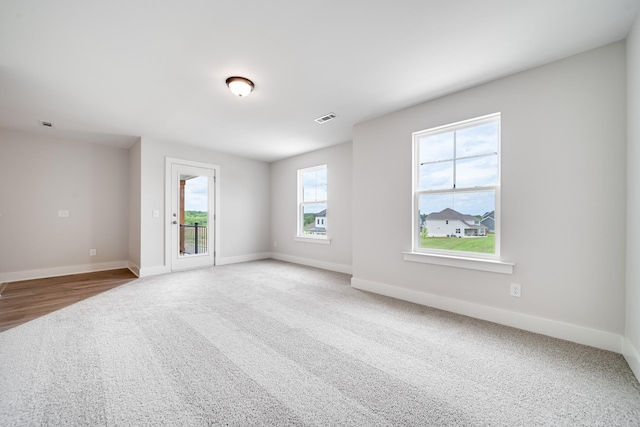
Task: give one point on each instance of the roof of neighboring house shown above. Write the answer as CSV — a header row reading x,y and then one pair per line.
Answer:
x,y
322,213
491,215
450,214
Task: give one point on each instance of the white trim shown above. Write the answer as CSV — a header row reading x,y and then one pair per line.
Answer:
x,y
134,268
175,160
301,202
169,162
416,192
319,240
574,333
632,357
61,271
154,271
339,268
462,124
242,258
490,265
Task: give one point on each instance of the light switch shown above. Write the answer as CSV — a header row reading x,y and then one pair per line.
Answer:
x,y
63,214
155,214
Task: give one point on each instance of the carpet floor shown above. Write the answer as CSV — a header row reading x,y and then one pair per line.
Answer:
x,y
277,344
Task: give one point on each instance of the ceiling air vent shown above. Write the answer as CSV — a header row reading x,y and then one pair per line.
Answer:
x,y
46,124
326,118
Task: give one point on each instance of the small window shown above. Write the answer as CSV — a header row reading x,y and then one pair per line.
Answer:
x,y
312,202
456,188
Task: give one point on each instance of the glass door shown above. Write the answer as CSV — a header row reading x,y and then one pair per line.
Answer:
x,y
192,216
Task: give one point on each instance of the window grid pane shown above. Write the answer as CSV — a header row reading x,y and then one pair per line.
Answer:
x,y
436,176
463,160
312,208
477,140
477,172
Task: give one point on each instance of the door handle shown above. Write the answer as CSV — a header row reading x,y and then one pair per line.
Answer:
x,y
174,222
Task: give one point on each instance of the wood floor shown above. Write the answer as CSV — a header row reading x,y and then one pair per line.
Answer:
x,y
30,299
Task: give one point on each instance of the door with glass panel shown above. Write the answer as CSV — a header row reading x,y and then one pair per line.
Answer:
x,y
192,216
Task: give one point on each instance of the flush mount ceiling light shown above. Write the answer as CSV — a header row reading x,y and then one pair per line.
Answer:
x,y
240,86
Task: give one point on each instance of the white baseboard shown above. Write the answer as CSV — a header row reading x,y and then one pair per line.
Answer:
x,y
340,268
163,269
134,268
632,357
578,334
153,271
242,258
61,271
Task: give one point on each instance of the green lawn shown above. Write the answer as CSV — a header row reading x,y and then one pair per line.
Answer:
x,y
478,244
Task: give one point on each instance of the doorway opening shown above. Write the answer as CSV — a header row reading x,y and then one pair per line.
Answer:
x,y
191,206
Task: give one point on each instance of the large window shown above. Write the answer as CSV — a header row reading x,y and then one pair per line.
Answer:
x,y
457,188
312,202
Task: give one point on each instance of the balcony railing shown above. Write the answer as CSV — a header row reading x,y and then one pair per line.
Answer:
x,y
193,239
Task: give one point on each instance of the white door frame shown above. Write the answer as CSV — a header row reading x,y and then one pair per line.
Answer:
x,y
169,162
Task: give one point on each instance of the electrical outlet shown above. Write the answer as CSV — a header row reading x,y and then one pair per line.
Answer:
x,y
92,252
516,290
275,244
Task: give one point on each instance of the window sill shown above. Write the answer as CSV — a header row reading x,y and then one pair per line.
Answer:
x,y
317,240
490,265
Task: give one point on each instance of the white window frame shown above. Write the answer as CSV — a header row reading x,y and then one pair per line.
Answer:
x,y
472,260
300,236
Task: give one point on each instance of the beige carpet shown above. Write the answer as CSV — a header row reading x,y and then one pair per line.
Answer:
x,y
272,343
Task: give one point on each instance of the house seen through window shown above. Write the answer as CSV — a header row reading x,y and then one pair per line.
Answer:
x,y
312,202
456,188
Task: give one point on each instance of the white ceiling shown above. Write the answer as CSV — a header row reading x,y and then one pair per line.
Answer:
x,y
111,71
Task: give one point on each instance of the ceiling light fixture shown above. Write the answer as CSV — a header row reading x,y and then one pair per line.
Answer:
x,y
240,86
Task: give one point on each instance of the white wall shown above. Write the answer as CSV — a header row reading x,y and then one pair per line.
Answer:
x,y
632,331
244,204
563,182
135,197
40,176
337,255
